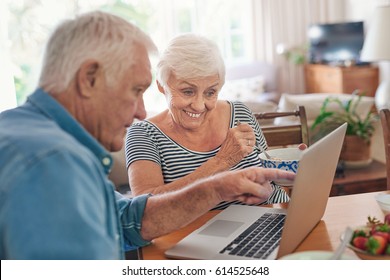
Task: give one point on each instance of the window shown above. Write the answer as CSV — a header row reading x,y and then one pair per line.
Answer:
x,y
228,22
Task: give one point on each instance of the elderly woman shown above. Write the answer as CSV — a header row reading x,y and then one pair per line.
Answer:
x,y
198,135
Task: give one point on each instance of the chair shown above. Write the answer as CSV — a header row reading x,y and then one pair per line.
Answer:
x,y
135,254
385,120
291,133
285,134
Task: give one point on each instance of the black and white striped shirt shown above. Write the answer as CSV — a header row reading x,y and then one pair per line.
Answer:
x,y
145,141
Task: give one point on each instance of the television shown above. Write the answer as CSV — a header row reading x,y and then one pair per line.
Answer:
x,y
336,43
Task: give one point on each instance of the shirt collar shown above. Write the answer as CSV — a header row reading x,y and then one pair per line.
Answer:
x,y
55,111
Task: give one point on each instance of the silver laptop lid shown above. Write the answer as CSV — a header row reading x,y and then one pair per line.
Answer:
x,y
311,189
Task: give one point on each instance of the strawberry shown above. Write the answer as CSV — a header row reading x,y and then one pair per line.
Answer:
x,y
387,219
380,227
360,242
385,235
382,230
376,244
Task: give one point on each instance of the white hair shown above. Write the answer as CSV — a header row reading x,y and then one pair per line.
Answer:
x,y
190,56
96,35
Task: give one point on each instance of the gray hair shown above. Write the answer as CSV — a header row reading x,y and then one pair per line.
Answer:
x,y
96,35
190,56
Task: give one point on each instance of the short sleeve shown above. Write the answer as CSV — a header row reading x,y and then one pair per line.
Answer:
x,y
140,144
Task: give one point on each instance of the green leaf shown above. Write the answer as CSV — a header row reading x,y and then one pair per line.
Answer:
x,y
321,118
328,119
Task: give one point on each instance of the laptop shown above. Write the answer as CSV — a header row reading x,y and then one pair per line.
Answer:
x,y
223,236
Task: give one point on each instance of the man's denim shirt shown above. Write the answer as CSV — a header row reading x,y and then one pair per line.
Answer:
x,y
56,201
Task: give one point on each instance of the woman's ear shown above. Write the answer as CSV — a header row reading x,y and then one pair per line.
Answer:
x,y
87,77
160,87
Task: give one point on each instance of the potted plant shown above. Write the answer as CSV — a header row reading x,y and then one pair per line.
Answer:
x,y
357,144
296,54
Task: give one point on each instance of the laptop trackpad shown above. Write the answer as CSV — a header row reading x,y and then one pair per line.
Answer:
x,y
221,228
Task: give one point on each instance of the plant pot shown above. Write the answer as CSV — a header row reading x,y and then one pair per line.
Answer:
x,y
355,152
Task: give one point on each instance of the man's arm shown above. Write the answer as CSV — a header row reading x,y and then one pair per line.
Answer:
x,y
170,211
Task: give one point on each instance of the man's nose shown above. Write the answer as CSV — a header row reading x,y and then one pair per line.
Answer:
x,y
141,111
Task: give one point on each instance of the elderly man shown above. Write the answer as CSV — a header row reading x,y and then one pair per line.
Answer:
x,y
56,200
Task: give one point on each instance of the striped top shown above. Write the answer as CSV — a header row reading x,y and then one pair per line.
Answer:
x,y
145,141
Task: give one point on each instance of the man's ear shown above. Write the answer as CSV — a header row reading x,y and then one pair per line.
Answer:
x,y
87,77
160,87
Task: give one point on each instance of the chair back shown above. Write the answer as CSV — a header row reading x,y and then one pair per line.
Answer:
x,y
385,120
285,135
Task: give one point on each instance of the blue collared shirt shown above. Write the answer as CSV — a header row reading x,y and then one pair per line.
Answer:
x,y
56,201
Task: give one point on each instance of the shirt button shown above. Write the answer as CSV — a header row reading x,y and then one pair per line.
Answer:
x,y
106,161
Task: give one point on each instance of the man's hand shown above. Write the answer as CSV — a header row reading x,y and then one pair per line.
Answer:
x,y
250,185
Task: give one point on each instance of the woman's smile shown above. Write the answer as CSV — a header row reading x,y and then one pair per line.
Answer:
x,y
193,115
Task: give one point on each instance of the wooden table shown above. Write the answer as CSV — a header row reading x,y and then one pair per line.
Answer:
x,y
341,211
372,178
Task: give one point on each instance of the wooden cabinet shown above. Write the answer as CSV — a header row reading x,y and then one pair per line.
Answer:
x,y
371,178
321,78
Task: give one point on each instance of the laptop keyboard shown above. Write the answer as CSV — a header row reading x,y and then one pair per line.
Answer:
x,y
260,239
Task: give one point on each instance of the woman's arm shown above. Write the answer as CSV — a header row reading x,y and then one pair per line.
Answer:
x,y
146,176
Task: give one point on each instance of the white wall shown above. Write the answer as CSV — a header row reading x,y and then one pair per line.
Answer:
x,y
357,10
364,10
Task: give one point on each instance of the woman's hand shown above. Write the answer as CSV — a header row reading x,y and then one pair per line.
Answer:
x,y
239,143
302,146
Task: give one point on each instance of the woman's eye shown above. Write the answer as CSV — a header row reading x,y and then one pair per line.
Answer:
x,y
211,93
188,92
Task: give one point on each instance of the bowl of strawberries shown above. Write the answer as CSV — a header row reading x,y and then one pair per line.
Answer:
x,y
372,241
